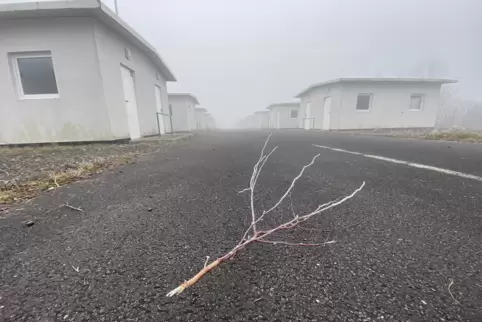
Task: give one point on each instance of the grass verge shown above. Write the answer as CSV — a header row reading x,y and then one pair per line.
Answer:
x,y
12,192
455,136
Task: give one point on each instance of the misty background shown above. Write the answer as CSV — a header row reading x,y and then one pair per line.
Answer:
x,y
239,56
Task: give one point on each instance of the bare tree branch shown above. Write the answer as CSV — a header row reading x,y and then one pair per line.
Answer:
x,y
252,234
292,185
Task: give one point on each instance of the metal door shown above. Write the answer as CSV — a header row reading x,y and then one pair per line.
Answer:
x,y
130,102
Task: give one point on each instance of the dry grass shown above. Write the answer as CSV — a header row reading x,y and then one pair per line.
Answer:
x,y
455,136
12,191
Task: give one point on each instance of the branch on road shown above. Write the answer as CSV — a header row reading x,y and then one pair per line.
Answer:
x,y
253,234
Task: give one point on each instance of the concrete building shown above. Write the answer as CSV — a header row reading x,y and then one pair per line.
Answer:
x,y
261,119
74,71
251,121
369,103
210,122
181,107
202,118
284,115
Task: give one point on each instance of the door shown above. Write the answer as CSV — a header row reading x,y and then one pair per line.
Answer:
x,y
130,102
160,118
308,120
326,113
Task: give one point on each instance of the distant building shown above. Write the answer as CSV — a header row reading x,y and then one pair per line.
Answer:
x,y
74,71
210,122
284,115
201,118
261,119
182,109
369,103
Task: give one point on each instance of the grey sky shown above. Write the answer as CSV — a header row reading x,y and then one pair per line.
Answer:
x,y
238,56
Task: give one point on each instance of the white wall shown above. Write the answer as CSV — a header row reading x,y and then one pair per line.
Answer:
x,y
389,108
201,120
78,114
191,113
111,51
262,120
87,57
285,121
317,97
180,113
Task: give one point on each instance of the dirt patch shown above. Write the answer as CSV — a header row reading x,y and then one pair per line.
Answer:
x,y
25,172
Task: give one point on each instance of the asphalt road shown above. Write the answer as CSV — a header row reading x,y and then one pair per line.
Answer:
x,y
408,246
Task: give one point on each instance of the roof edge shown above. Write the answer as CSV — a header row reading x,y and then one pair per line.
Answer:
x,y
191,96
269,107
378,79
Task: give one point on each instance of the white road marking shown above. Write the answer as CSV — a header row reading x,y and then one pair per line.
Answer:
x,y
411,164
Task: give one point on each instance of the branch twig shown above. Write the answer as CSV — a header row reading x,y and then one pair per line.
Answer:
x,y
294,244
206,261
73,208
252,234
450,292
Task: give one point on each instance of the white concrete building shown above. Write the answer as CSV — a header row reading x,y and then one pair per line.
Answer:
x,y
182,108
201,118
284,115
261,119
210,122
369,103
74,71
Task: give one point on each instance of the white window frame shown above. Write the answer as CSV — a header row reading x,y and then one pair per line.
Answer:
x,y
369,103
18,79
422,99
296,114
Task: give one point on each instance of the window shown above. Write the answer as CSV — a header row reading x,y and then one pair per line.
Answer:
x,y
416,102
363,102
35,76
293,114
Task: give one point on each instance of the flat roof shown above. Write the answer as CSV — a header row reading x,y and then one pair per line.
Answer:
x,y
85,8
201,109
261,112
188,95
378,79
271,106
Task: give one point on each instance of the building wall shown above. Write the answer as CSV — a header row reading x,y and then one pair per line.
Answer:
x,y
111,49
262,120
78,114
389,106
285,122
191,113
180,113
317,98
201,120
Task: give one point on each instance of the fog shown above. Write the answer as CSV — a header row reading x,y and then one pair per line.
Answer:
x,y
238,56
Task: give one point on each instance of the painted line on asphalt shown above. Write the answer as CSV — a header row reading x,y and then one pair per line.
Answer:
x,y
411,164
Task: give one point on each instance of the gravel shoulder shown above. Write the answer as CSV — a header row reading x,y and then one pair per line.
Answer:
x,y
408,247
